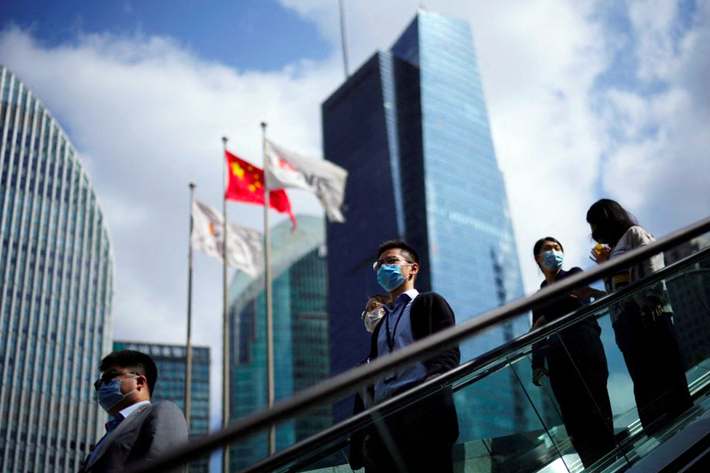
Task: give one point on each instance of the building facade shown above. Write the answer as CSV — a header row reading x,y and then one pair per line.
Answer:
x,y
411,128
56,291
689,292
300,335
171,360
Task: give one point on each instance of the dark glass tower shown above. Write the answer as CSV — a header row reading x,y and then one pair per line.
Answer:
x,y
300,335
411,128
170,361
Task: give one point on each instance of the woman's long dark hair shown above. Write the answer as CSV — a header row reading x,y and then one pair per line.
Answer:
x,y
611,221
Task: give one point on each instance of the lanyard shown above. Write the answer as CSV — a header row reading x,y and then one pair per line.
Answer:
x,y
390,336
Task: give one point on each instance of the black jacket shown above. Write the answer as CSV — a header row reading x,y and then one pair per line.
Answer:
x,y
579,338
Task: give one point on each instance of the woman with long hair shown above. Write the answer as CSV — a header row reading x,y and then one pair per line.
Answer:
x,y
574,361
643,321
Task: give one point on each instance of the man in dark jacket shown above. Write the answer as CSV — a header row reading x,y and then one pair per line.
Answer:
x,y
420,438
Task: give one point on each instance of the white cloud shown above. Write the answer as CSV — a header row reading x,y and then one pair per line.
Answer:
x,y
537,70
147,117
657,163
653,21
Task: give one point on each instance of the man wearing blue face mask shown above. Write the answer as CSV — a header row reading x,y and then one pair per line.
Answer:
x,y
421,437
574,360
138,431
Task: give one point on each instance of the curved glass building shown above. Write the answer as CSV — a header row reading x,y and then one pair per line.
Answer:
x,y
56,290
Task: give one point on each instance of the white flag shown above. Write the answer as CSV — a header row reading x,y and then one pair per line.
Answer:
x,y
326,180
244,246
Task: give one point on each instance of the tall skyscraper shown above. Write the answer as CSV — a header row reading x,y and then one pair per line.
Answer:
x,y
300,335
171,360
411,128
56,291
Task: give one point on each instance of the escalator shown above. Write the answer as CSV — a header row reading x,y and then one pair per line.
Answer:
x,y
537,441
546,447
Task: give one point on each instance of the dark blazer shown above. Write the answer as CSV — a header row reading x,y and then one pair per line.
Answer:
x,y
430,313
149,432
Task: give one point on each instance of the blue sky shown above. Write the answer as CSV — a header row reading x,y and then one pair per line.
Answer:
x,y
246,34
586,99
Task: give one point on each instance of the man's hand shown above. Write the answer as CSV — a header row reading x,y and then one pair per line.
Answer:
x,y
652,308
538,373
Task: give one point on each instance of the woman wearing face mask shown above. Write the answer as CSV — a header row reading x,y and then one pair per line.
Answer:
x,y
576,363
374,311
643,321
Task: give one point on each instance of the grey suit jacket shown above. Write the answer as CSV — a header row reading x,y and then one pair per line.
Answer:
x,y
146,434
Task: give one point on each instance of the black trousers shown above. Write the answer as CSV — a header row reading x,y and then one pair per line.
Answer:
x,y
417,440
416,450
654,362
578,374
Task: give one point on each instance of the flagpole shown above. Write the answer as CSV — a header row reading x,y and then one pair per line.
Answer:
x,y
225,320
343,37
269,302
188,344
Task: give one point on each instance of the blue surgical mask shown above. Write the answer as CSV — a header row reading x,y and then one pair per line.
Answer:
x,y
389,276
552,260
110,393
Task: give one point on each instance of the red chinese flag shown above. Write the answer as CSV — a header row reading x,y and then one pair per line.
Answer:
x,y
246,184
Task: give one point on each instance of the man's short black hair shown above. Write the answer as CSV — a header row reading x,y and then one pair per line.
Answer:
x,y
408,253
133,360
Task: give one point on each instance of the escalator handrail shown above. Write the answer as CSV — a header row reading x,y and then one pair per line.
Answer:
x,y
485,364
361,376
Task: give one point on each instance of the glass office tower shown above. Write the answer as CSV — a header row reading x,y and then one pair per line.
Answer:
x,y
56,291
411,128
170,360
300,335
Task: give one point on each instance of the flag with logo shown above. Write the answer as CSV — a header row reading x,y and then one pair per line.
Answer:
x,y
246,184
285,169
244,246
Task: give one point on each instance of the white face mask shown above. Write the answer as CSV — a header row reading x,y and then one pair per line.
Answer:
x,y
371,318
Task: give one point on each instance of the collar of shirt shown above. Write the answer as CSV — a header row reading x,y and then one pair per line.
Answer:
x,y
404,297
132,408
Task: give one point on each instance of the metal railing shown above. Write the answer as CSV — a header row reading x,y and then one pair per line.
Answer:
x,y
486,364
361,376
